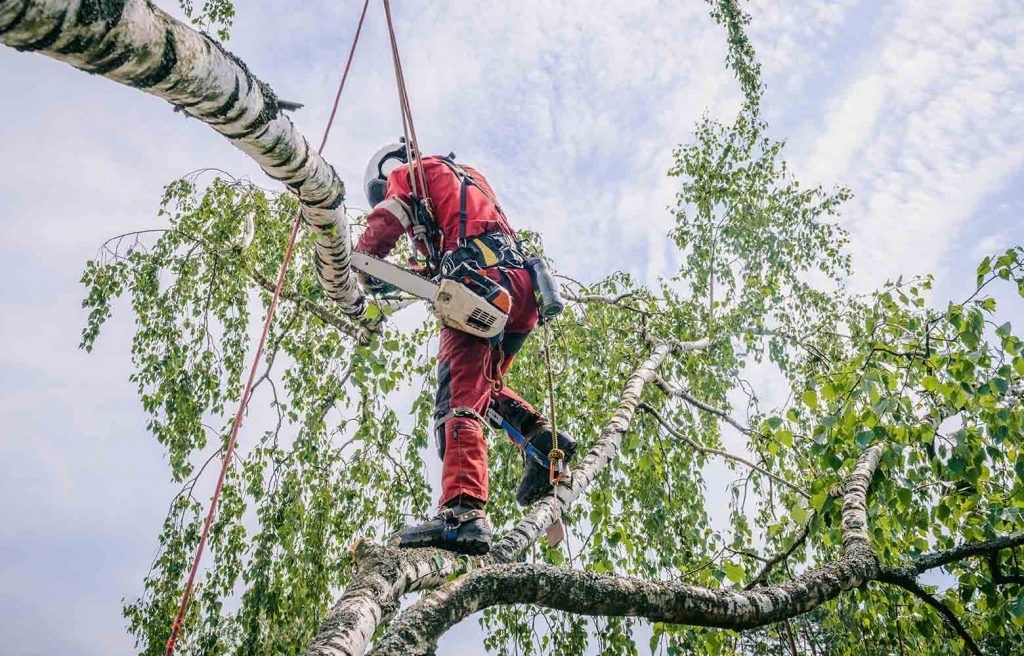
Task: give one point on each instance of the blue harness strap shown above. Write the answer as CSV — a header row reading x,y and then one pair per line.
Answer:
x,y
518,438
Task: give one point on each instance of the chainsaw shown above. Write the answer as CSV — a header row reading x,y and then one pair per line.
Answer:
x,y
465,299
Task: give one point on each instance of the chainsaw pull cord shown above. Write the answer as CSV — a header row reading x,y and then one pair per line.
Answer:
x,y
229,449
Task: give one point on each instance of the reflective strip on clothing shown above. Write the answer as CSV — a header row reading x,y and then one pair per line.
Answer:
x,y
398,209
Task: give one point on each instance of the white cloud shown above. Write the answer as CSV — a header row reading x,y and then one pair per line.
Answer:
x,y
925,134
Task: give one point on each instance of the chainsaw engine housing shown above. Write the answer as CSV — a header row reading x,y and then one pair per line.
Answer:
x,y
473,303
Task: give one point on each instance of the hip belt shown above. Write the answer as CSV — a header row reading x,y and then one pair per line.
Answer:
x,y
485,251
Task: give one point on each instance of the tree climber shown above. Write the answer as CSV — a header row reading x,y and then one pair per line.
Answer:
x,y
459,206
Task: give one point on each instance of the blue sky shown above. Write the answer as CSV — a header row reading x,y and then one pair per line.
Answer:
x,y
571,108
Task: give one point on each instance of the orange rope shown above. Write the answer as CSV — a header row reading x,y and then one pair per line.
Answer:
x,y
232,440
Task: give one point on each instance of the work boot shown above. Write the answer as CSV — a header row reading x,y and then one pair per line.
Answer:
x,y
536,477
459,528
537,431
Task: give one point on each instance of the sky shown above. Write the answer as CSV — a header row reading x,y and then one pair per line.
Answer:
x,y
570,108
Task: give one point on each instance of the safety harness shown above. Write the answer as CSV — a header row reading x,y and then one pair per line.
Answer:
x,y
496,248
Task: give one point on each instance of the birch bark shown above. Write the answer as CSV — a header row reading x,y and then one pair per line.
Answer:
x,y
137,44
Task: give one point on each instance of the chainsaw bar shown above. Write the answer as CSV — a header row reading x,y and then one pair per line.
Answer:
x,y
407,281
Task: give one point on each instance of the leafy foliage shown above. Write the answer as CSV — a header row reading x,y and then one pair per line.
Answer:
x,y
336,443
330,453
217,14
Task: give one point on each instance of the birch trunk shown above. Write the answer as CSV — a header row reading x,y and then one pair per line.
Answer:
x,y
134,43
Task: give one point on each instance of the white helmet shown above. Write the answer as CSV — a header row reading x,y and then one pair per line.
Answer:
x,y
383,162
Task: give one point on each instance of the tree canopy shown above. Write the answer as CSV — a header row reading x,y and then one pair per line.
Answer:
x,y
921,403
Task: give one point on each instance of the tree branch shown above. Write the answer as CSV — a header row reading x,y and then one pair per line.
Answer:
x,y
669,390
935,559
341,324
597,298
950,618
136,44
997,573
416,631
384,575
782,556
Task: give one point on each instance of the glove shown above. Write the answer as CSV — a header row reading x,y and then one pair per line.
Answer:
x,y
375,286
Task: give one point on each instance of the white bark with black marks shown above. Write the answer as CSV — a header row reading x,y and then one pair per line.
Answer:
x,y
587,593
134,43
382,575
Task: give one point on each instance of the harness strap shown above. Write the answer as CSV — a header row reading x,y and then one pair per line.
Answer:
x,y
462,210
517,437
451,518
461,411
452,522
465,180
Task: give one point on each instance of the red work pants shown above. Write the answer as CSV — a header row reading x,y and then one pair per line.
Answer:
x,y
466,369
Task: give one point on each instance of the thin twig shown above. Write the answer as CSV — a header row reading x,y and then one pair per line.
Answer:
x,y
718,452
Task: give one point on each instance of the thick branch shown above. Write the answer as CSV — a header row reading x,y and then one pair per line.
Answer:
x,y
935,559
134,43
376,588
417,630
719,452
950,618
587,593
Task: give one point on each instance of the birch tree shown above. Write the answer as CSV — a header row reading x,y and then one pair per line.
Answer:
x,y
886,445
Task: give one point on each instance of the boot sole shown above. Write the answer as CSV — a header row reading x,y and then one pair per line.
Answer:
x,y
474,548
466,549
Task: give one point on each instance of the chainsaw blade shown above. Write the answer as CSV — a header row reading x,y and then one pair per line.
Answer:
x,y
405,280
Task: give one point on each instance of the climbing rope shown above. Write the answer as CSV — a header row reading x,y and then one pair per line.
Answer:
x,y
412,145
556,457
244,401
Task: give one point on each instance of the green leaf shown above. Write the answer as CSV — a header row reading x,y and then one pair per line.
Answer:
x,y
734,571
799,514
983,269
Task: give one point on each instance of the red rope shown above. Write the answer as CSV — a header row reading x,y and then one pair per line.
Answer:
x,y
416,161
232,440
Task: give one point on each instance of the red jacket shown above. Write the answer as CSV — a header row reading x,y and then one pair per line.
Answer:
x,y
393,216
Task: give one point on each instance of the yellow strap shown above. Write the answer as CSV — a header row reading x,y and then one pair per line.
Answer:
x,y
490,257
